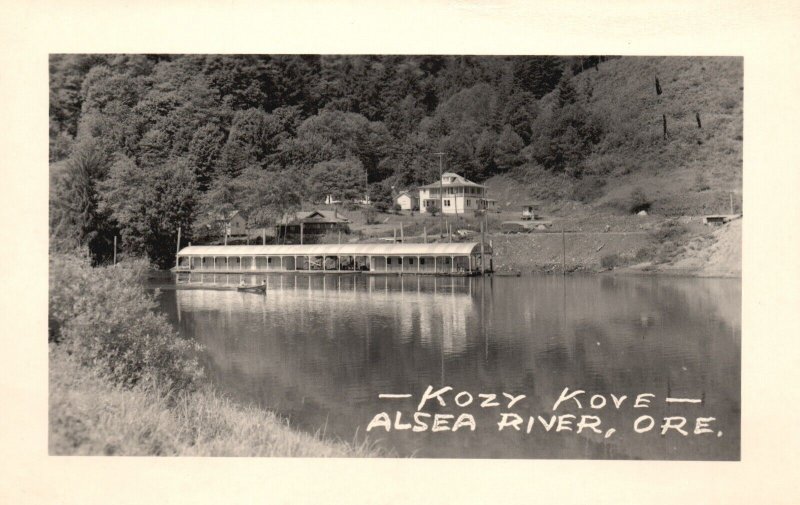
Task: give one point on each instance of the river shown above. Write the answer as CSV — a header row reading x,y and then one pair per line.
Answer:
x,y
319,349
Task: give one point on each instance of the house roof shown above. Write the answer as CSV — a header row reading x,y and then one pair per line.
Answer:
x,y
438,249
317,216
227,216
457,181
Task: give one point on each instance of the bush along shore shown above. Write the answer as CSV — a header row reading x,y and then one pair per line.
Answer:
x,y
122,381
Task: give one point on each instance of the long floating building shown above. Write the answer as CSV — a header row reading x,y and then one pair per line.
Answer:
x,y
461,258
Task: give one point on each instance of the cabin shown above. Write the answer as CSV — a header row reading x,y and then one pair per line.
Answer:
x,y
455,195
233,223
407,201
529,211
312,223
719,219
460,258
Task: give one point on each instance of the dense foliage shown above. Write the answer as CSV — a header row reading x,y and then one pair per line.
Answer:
x,y
153,142
105,319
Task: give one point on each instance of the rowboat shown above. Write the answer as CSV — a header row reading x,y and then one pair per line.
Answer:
x,y
259,288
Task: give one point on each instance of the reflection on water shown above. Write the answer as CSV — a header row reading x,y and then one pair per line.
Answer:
x,y
319,349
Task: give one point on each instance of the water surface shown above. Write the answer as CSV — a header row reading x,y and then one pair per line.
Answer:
x,y
318,349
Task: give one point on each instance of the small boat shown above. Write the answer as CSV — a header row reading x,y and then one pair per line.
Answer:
x,y
259,288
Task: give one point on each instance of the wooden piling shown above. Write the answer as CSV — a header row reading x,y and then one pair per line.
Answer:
x,y
483,260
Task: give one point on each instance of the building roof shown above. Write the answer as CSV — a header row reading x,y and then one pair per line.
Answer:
x,y
407,193
438,249
458,181
227,215
317,216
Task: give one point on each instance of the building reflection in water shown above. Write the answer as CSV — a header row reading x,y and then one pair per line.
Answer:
x,y
319,348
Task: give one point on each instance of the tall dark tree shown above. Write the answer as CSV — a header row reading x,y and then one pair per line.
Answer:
x,y
76,219
538,75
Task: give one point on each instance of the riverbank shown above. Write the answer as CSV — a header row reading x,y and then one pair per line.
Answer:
x,y
123,382
90,416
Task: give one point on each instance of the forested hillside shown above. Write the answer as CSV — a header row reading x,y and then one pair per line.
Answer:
x,y
140,145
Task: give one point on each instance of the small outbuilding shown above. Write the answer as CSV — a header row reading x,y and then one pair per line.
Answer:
x,y
406,201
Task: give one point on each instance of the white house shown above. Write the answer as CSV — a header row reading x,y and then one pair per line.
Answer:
x,y
458,195
406,200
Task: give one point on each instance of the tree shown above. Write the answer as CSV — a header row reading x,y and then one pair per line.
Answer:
x,y
268,196
204,151
333,135
254,137
538,75
342,179
149,204
566,91
507,148
76,220
381,196
222,198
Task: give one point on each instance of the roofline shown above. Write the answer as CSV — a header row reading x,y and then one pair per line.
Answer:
x,y
414,249
457,184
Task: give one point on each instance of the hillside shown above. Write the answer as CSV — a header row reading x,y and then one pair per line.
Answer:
x,y
692,171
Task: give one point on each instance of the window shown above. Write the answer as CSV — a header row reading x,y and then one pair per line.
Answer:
x,y
410,261
422,261
388,261
447,203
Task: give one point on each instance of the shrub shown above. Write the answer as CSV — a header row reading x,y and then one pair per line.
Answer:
x,y
645,254
700,183
638,201
588,189
669,231
609,261
105,319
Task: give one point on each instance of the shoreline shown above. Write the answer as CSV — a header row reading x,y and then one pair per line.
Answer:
x,y
90,416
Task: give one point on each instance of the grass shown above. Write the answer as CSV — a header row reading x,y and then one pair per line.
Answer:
x,y
91,416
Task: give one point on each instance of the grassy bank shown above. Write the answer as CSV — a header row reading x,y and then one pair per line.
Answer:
x,y
123,382
91,416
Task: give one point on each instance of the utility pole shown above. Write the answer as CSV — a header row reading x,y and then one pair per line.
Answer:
x,y
115,249
441,189
178,249
366,186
